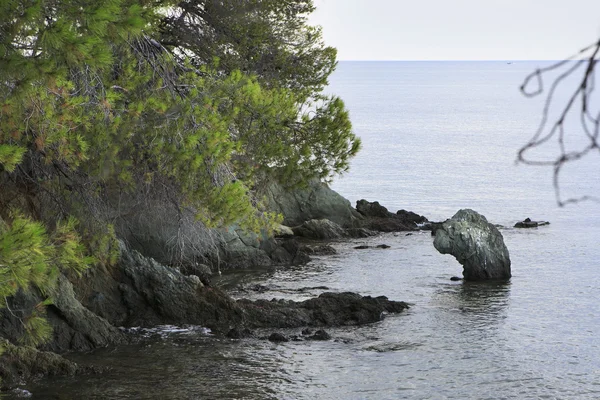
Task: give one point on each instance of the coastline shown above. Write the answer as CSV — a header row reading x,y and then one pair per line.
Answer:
x,y
95,311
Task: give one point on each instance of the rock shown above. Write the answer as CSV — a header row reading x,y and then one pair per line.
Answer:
x,y
283,231
74,327
320,229
378,218
315,201
329,309
320,335
239,333
293,248
361,247
19,364
360,233
383,246
372,209
307,331
278,337
528,223
242,250
456,278
411,216
476,244
202,271
322,250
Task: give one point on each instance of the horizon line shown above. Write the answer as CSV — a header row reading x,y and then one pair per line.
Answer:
x,y
459,60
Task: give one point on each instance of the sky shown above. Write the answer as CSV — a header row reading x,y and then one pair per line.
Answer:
x,y
458,29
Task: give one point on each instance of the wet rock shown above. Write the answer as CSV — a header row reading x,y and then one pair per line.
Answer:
x,y
239,333
19,364
456,278
307,331
329,309
361,247
528,223
139,291
372,209
202,271
383,246
322,250
360,233
476,244
321,229
320,335
411,216
278,337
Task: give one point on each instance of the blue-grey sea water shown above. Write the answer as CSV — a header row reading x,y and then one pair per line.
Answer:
x,y
437,137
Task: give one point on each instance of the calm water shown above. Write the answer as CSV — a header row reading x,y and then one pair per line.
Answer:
x,y
437,137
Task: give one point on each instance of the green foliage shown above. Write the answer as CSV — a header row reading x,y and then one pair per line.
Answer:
x,y
30,256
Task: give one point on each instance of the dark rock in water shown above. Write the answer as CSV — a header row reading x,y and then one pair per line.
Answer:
x,y
278,337
379,246
19,364
378,218
528,223
322,250
456,278
372,209
411,216
321,229
239,333
476,244
329,309
307,331
320,335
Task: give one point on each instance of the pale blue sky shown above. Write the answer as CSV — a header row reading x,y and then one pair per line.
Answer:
x,y
458,29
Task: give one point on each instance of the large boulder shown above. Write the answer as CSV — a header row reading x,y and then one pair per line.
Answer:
x,y
320,229
315,201
476,244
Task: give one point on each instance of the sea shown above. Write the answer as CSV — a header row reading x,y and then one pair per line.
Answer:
x,y
436,137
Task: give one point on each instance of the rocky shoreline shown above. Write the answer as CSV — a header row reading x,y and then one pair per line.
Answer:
x,y
105,306
139,291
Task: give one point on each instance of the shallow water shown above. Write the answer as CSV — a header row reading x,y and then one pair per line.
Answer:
x,y
437,137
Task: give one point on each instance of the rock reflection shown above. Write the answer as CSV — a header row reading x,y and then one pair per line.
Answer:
x,y
475,305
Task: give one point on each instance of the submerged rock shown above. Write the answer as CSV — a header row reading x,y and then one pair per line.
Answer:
x,y
320,335
278,337
528,223
476,244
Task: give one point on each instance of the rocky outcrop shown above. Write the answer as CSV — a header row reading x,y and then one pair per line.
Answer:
x,y
528,223
378,218
320,229
476,244
316,201
329,309
19,364
142,292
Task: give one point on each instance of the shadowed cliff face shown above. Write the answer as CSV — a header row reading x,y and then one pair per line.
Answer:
x,y
476,244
